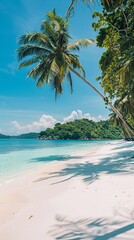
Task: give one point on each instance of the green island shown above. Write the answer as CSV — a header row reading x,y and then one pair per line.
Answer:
x,y
82,129
31,135
4,136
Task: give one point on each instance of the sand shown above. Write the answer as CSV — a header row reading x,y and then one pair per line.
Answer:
x,y
89,197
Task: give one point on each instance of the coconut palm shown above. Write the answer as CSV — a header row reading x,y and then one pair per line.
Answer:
x,y
114,118
53,56
125,107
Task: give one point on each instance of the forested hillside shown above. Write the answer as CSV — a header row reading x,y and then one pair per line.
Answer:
x,y
25,136
83,129
3,136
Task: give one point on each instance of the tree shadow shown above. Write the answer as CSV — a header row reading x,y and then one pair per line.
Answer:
x,y
118,163
55,158
93,229
125,145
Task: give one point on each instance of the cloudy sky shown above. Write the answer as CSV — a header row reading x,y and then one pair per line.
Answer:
x,y
23,107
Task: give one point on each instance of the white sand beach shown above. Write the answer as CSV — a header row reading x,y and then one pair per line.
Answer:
x,y
89,197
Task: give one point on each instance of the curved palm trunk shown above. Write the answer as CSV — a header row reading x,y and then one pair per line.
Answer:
x,y
128,129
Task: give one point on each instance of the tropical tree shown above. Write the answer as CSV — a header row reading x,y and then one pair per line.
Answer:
x,y
125,107
116,120
116,22
55,58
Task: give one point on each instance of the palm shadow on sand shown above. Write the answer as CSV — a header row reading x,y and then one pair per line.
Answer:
x,y
55,158
91,229
118,163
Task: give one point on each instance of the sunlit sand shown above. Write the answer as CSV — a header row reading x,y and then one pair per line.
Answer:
x,y
89,197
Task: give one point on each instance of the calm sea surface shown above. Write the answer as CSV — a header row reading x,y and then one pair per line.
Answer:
x,y
19,155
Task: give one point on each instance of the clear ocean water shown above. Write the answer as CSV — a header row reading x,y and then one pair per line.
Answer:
x,y
19,155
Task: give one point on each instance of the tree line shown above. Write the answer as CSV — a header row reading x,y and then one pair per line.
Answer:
x,y
82,129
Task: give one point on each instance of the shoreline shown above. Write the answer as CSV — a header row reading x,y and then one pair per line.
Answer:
x,y
49,164
33,167
90,196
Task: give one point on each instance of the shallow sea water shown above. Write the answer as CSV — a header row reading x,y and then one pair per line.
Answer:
x,y
18,155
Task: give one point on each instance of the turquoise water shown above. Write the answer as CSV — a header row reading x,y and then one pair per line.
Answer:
x,y
18,155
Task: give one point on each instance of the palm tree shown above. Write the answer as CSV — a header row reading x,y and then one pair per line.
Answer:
x,y
125,107
115,119
54,55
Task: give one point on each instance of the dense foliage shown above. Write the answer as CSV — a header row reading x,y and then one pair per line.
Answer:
x,y
116,34
31,135
83,129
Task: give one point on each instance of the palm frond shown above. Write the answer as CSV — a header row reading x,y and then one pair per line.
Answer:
x,y
83,42
41,80
52,71
29,62
69,77
75,63
35,38
37,71
71,7
27,50
49,32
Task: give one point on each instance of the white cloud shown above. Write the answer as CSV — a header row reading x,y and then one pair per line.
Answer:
x,y
78,114
100,118
48,121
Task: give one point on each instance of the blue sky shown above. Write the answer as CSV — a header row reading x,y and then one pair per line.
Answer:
x,y
23,107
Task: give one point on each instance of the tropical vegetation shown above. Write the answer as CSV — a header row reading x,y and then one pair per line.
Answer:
x,y
83,129
54,56
31,135
116,34
51,50
115,26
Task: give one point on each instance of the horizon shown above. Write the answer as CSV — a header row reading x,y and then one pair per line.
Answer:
x,y
75,115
